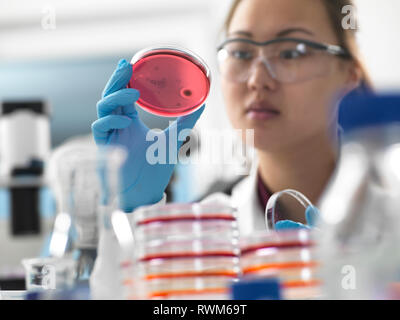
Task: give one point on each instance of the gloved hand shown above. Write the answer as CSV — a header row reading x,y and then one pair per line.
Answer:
x,y
142,183
312,214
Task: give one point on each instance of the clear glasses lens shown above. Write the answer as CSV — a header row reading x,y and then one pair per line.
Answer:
x,y
285,61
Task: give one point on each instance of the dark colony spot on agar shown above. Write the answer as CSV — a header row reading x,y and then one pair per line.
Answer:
x,y
187,92
159,83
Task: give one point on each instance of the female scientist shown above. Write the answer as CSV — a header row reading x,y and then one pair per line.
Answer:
x,y
285,65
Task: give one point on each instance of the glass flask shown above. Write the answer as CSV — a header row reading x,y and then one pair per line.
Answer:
x,y
360,219
115,223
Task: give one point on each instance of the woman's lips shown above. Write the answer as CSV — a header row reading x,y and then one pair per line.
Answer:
x,y
261,112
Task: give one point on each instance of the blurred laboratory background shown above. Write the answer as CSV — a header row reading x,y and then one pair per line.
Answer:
x,y
63,52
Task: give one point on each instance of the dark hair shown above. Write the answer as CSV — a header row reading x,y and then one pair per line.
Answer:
x,y
346,37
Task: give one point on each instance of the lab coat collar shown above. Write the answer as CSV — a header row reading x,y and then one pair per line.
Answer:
x,y
245,199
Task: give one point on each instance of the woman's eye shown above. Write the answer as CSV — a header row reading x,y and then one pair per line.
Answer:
x,y
292,54
242,54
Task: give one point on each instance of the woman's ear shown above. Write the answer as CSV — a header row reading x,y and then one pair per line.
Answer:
x,y
354,75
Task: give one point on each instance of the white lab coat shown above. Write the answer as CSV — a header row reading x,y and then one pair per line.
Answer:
x,y
104,281
244,198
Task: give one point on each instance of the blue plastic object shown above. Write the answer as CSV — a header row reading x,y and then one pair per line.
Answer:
x,y
257,289
283,225
312,214
361,111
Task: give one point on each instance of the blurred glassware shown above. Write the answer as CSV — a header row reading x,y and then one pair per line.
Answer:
x,y
113,274
270,210
49,273
59,173
360,219
73,177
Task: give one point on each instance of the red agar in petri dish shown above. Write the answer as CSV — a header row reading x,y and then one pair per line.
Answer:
x,y
172,82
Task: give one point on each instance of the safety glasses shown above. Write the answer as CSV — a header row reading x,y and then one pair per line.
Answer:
x,y
287,60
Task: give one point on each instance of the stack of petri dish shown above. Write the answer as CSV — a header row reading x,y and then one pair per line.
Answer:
x,y
286,255
186,251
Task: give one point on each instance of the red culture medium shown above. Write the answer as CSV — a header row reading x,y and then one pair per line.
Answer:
x,y
171,82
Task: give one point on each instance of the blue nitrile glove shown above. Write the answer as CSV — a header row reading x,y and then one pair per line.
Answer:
x,y
142,183
312,214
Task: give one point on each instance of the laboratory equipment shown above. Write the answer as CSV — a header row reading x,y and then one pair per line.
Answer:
x,y
172,81
85,206
76,292
110,161
186,251
286,255
59,174
24,148
360,220
113,275
26,215
257,289
311,212
49,273
72,172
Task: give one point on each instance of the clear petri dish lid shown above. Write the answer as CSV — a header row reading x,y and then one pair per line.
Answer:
x,y
178,212
223,266
187,229
172,81
167,249
276,239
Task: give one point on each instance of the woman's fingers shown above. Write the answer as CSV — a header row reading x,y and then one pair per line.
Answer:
x,y
101,128
312,215
119,79
183,125
189,121
124,98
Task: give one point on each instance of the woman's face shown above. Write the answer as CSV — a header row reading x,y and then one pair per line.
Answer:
x,y
303,110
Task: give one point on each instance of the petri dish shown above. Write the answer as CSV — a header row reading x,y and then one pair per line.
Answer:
x,y
185,221
288,239
172,81
174,212
186,250
187,288
191,248
286,255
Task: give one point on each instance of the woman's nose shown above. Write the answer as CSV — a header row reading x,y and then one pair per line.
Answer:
x,y
262,76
